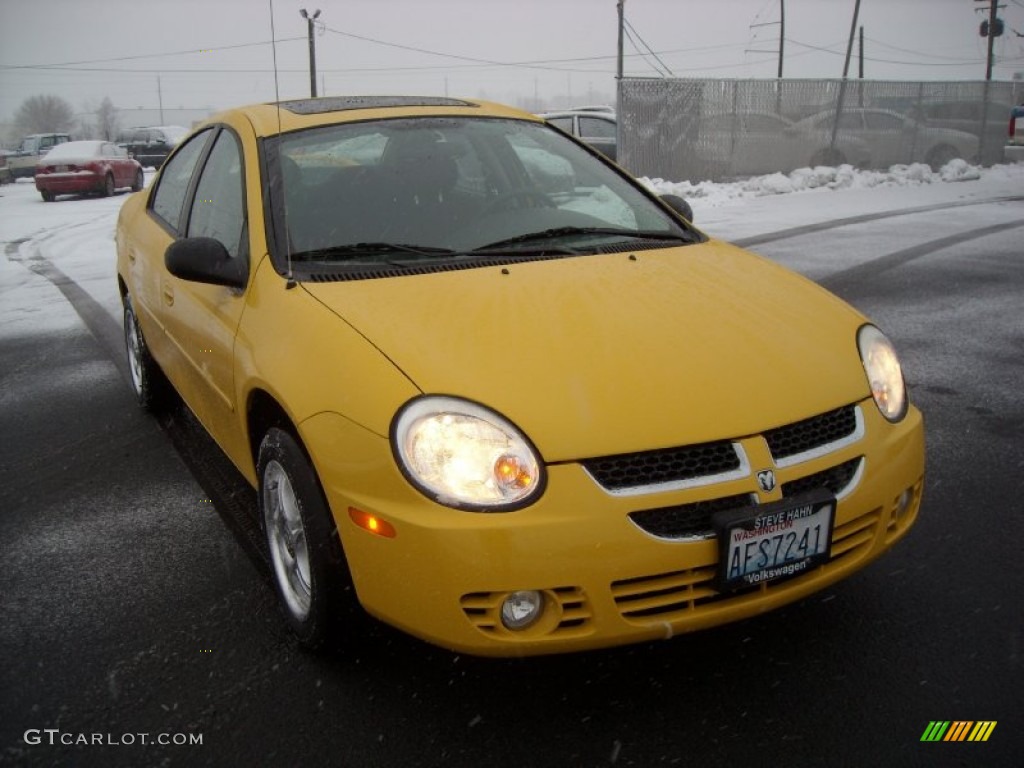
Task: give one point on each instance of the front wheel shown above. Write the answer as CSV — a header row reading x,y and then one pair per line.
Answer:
x,y
140,180
148,381
306,560
108,185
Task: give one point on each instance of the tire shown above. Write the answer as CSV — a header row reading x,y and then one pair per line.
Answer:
x,y
940,155
307,564
48,197
152,390
139,182
108,185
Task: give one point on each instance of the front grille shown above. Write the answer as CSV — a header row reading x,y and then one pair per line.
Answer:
x,y
834,479
668,465
693,521
686,521
812,433
663,597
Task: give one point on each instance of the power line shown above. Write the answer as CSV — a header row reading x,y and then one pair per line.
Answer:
x,y
59,65
887,61
636,47
631,28
908,50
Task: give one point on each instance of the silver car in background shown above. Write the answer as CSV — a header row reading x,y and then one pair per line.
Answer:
x,y
893,138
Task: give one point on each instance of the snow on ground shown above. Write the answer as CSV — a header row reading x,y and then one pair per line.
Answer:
x,y
77,234
805,196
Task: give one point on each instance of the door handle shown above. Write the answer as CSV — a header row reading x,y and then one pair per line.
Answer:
x,y
168,295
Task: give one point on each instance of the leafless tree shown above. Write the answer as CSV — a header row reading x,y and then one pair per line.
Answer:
x,y
107,120
44,114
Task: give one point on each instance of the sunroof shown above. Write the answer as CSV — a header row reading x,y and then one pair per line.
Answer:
x,y
339,103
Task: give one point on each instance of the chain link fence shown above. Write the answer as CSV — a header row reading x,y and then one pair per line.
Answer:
x,y
694,129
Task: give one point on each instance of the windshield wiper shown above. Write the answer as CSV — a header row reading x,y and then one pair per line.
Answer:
x,y
548,234
352,251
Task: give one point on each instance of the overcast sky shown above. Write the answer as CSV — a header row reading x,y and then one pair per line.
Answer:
x,y
211,54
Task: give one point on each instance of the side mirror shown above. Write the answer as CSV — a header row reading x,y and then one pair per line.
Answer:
x,y
680,206
205,260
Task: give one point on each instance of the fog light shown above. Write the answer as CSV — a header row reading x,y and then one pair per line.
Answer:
x,y
521,609
903,503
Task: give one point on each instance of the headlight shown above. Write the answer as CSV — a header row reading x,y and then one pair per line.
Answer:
x,y
885,377
463,455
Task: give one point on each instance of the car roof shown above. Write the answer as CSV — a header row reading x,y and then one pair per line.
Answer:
x,y
586,112
282,117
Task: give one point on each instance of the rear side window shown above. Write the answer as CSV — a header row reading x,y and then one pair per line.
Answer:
x,y
175,178
217,210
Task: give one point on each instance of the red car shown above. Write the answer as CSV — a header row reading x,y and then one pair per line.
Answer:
x,y
87,166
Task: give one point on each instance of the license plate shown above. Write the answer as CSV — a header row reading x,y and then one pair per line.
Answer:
x,y
768,542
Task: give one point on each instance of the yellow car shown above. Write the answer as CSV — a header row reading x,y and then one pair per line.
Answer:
x,y
520,404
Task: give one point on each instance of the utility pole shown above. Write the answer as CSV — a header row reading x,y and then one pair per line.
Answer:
x,y
312,49
853,31
782,32
621,5
991,29
860,68
160,99
846,71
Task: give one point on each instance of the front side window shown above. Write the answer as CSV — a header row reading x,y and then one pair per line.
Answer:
x,y
596,128
418,188
169,196
880,121
217,208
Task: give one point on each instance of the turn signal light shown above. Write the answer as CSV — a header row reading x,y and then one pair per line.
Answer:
x,y
375,525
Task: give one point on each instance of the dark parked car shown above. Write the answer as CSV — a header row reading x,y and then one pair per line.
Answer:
x,y
594,125
151,146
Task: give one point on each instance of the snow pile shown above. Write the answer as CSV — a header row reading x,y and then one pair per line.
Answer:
x,y
822,177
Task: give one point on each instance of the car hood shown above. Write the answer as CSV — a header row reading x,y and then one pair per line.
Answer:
x,y
607,354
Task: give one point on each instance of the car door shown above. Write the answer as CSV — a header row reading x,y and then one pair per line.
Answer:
x,y
599,133
202,319
162,223
890,142
113,161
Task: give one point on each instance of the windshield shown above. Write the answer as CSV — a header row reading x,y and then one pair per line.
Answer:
x,y
411,189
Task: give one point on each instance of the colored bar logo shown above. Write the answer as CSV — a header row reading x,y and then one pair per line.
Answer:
x,y
958,730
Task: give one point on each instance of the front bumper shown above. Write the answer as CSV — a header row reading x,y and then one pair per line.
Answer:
x,y
606,581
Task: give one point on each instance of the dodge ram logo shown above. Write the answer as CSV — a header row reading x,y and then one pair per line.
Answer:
x,y
766,479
